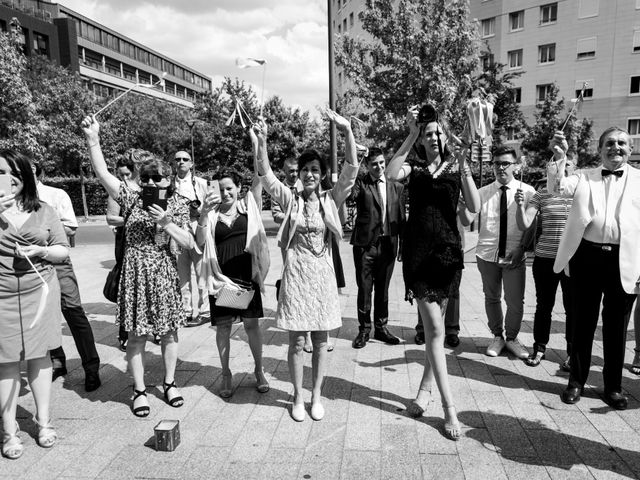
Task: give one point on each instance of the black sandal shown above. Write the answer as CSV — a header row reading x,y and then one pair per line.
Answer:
x,y
175,402
140,411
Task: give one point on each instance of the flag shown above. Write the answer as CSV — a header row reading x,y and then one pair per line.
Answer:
x,y
249,62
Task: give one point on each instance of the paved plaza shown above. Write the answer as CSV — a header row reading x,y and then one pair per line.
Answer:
x,y
514,424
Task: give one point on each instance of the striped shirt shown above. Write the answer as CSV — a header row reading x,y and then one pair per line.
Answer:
x,y
552,217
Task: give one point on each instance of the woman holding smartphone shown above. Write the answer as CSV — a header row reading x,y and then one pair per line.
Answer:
x,y
149,299
235,252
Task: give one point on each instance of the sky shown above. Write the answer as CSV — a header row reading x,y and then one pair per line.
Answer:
x,y
208,35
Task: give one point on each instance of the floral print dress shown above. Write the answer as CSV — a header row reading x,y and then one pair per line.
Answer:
x,y
149,298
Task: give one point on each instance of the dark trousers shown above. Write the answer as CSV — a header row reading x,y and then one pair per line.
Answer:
x,y
546,281
594,274
451,316
76,319
374,267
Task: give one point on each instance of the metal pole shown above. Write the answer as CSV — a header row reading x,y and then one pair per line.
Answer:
x,y
332,100
480,159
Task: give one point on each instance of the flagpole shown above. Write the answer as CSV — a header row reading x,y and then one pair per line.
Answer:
x,y
264,71
332,101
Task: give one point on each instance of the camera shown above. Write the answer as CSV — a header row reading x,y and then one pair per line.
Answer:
x,y
427,114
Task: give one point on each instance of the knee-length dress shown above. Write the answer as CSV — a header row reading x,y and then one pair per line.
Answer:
x,y
235,263
21,288
309,298
431,249
149,298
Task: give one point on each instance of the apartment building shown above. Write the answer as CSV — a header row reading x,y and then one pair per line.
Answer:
x,y
107,60
568,42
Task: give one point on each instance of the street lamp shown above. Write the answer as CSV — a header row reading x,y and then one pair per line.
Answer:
x,y
191,123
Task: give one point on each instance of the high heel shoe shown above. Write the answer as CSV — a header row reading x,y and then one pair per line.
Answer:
x,y
176,401
262,384
12,447
418,406
47,436
143,410
452,426
227,385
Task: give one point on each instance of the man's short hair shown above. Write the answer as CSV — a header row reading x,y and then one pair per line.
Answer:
x,y
505,150
374,152
609,131
182,154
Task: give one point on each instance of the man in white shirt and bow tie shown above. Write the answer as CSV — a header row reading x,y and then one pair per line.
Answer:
x,y
599,247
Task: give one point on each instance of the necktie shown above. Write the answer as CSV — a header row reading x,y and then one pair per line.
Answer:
x,y
617,173
383,206
502,239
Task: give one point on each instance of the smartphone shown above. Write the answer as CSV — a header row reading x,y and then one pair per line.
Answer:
x,y
154,195
5,184
214,186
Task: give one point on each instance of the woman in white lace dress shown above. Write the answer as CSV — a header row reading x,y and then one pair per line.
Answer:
x,y
308,298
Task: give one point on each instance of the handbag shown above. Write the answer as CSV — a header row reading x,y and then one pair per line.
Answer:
x,y
111,284
235,296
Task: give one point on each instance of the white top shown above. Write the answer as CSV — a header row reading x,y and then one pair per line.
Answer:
x,y
489,234
61,203
184,186
605,225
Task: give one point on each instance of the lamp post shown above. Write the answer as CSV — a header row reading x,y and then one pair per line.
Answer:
x,y
191,123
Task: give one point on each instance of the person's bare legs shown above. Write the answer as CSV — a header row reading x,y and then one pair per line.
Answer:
x,y
223,341
39,376
308,344
318,368
254,335
135,358
433,323
296,371
9,388
169,348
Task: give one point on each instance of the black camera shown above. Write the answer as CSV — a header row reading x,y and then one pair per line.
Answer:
x,y
427,114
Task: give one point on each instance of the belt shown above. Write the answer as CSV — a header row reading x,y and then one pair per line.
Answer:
x,y
605,247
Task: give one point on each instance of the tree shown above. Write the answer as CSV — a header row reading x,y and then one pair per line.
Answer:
x,y
550,117
421,50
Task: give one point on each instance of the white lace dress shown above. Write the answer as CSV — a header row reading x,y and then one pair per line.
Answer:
x,y
309,294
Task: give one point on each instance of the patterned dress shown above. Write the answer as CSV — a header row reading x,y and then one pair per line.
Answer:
x,y
432,249
309,298
149,298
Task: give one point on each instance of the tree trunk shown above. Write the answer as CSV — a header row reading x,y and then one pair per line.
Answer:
x,y
85,208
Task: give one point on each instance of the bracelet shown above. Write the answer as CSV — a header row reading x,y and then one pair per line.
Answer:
x,y
202,226
91,145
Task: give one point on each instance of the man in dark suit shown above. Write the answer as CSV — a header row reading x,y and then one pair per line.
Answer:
x,y
379,220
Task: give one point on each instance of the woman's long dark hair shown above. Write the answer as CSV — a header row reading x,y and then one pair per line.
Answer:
x,y
21,167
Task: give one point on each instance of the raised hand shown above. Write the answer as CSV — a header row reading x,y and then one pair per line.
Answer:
x,y
260,130
559,145
90,127
412,118
342,123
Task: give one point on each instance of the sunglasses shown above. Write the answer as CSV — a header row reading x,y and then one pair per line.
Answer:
x,y
182,159
503,164
157,178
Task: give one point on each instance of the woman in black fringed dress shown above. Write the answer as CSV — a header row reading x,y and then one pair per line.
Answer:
x,y
431,250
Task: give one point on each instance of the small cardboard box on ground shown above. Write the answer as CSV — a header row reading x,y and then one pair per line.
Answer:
x,y
167,434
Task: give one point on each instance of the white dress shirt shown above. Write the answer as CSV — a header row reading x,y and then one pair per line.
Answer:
x,y
605,225
60,202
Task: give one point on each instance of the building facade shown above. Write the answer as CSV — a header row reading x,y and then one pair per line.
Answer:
x,y
107,60
567,42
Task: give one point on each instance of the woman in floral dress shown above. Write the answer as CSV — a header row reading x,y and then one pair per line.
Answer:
x,y
149,299
308,298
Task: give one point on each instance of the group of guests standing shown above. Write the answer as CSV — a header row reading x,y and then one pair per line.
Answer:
x,y
221,235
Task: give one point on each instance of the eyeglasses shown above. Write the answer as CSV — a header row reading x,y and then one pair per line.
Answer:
x,y
503,164
157,178
182,159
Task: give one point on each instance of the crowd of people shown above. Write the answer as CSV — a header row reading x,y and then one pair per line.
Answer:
x,y
172,225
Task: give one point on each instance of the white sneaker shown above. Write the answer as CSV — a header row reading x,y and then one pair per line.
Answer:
x,y
495,347
515,347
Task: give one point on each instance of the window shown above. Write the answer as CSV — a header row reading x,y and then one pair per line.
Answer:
x,y
588,93
636,41
587,8
542,91
516,21
487,61
339,28
511,134
517,94
635,86
515,58
40,44
587,47
344,25
547,53
351,20
488,27
3,25
548,13
633,126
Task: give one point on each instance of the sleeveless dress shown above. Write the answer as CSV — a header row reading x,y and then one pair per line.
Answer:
x,y
309,298
432,249
149,298
21,289
235,263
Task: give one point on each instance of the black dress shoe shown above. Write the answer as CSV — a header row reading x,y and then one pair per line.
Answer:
x,y
616,400
419,338
193,321
452,340
58,372
383,335
361,340
571,395
91,381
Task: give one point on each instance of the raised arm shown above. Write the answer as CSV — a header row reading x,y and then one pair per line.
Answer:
x,y
342,188
110,182
256,184
525,214
397,168
279,191
557,182
467,184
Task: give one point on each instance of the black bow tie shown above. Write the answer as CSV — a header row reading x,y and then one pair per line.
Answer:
x,y
617,173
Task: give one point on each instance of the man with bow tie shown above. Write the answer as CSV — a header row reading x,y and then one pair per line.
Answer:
x,y
599,250
379,219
